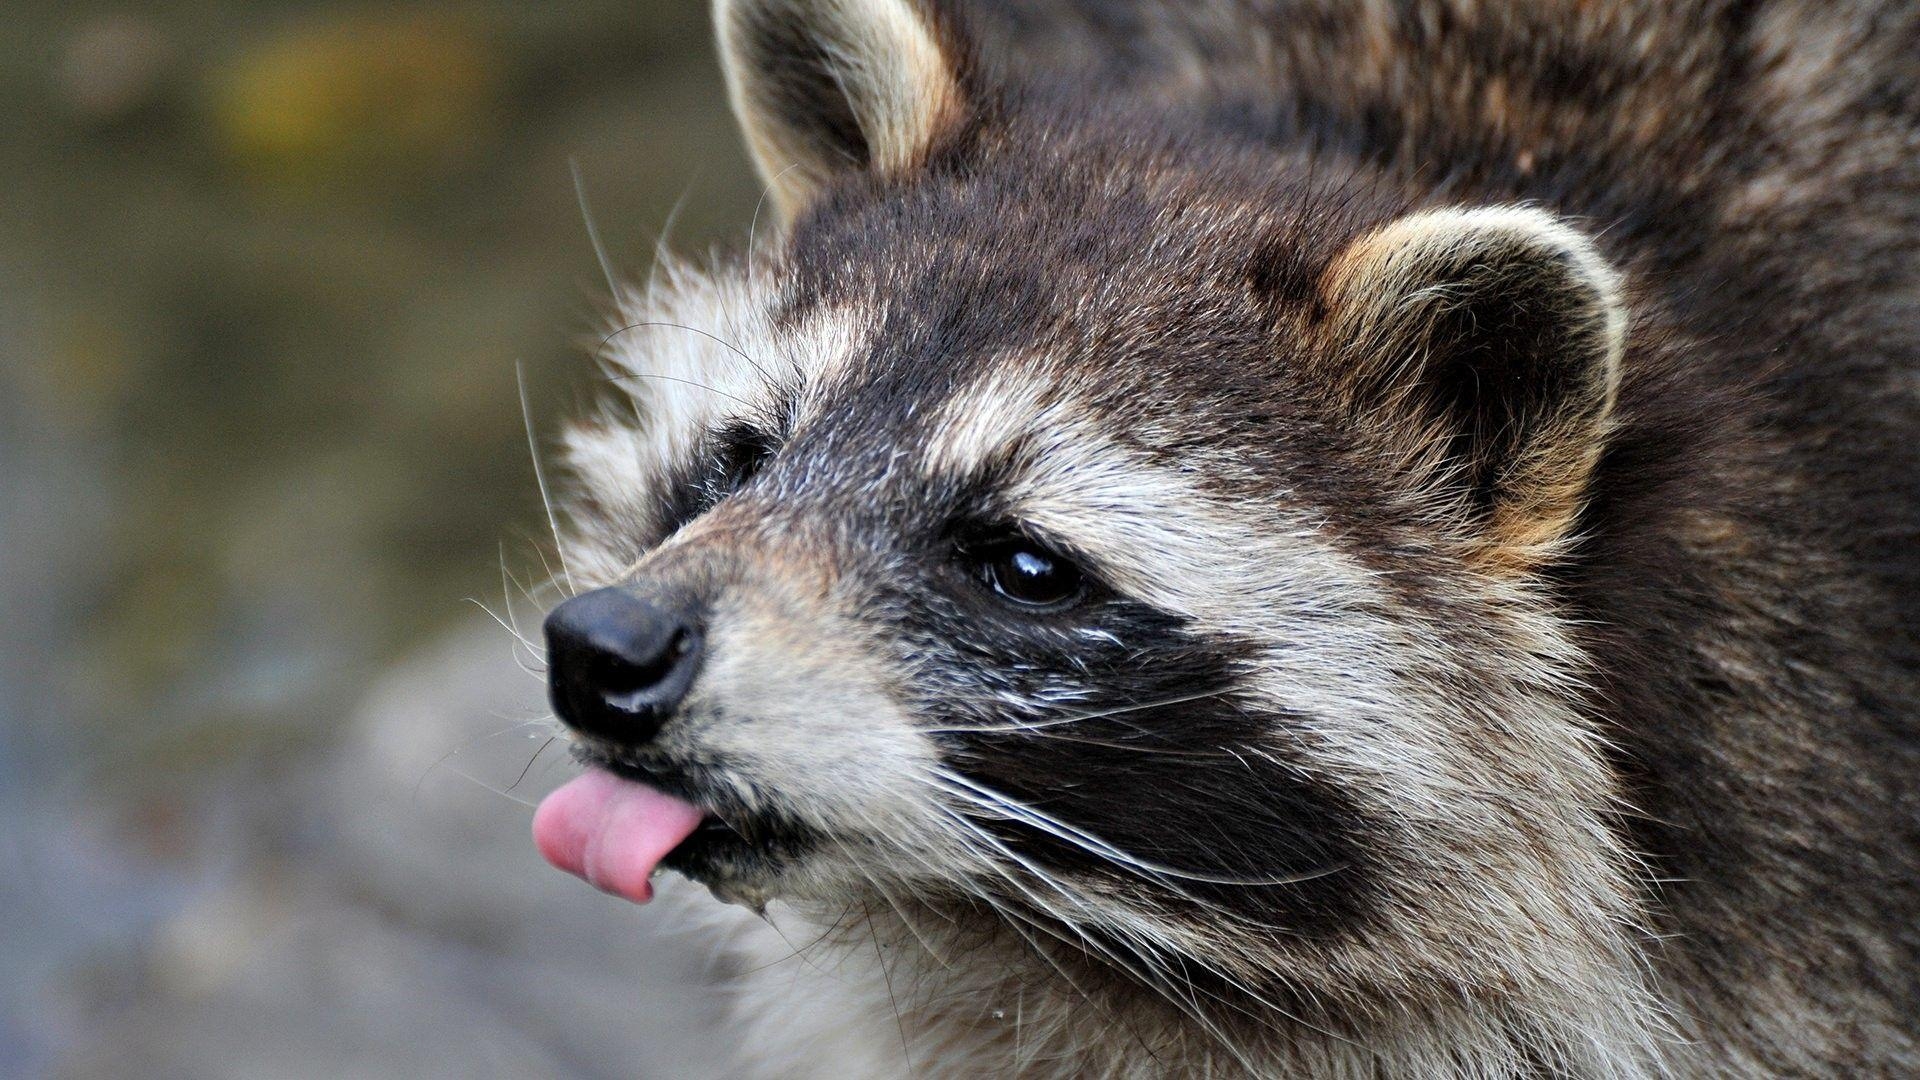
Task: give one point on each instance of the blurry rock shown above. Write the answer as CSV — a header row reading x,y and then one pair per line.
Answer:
x,y
115,65
407,928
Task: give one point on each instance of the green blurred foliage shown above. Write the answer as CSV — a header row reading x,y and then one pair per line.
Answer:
x,y
273,266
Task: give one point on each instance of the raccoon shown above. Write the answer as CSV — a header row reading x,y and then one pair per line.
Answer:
x,y
1312,538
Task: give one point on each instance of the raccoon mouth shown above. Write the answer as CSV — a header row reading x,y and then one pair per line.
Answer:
x,y
618,825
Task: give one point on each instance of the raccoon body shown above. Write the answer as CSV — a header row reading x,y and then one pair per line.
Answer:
x,y
1323,539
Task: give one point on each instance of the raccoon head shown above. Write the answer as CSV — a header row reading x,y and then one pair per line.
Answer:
x,y
1130,541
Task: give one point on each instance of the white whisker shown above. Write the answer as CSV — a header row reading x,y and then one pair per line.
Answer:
x,y
1075,718
1004,806
593,230
540,476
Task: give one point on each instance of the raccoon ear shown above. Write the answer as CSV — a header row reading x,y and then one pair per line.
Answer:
x,y
824,86
1486,343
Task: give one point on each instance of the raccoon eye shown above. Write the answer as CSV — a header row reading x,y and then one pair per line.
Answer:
x,y
742,450
1030,575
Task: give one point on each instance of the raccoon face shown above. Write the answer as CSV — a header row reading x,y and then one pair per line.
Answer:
x,y
1132,547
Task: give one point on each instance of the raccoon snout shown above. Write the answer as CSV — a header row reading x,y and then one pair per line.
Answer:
x,y
618,665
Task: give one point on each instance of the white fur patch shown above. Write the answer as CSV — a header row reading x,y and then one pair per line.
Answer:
x,y
687,354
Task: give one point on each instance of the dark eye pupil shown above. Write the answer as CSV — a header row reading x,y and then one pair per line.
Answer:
x,y
742,451
1029,576
737,469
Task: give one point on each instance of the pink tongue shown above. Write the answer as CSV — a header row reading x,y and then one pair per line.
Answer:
x,y
612,832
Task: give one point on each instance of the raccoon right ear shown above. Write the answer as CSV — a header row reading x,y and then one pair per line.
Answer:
x,y
822,87
1484,345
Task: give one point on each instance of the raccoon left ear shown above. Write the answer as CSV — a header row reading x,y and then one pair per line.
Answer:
x,y
1485,344
822,87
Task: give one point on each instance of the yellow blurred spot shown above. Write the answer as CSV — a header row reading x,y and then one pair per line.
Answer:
x,y
357,97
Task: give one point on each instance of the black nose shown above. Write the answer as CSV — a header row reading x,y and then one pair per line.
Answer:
x,y
618,665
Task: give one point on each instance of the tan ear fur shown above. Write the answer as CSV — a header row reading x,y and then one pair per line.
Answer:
x,y
1495,337
822,86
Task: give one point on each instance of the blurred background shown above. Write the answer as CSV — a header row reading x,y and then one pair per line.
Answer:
x,y
267,271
